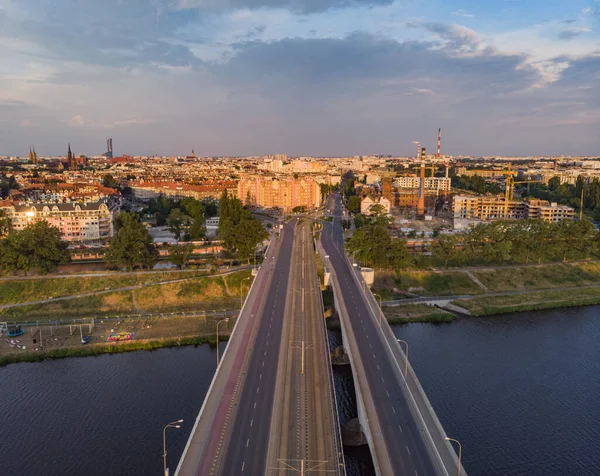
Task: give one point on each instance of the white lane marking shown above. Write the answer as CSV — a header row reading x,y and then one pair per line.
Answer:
x,y
265,353
374,356
382,380
394,410
251,421
405,447
400,427
260,377
370,345
263,364
388,393
255,405
248,442
257,389
243,464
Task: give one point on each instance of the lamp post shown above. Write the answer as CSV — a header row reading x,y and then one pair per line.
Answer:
x,y
241,295
173,424
459,452
405,360
380,308
219,322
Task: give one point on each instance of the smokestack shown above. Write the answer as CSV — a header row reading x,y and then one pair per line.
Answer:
x,y
447,167
439,152
423,153
418,151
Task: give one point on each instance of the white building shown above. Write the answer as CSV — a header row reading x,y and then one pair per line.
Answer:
x,y
367,203
77,222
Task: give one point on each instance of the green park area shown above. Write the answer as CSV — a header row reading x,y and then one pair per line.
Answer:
x,y
193,293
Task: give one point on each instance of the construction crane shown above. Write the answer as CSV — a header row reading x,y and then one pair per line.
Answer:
x,y
511,183
509,174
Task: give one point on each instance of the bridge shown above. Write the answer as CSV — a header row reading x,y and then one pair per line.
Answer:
x,y
270,408
401,428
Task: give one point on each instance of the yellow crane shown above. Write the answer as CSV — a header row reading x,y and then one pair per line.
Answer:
x,y
509,174
511,183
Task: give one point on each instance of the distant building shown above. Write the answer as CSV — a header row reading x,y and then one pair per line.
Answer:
x,y
285,193
77,222
145,191
490,208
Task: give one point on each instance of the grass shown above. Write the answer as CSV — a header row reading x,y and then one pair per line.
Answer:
x,y
549,299
429,283
539,277
112,348
416,313
194,294
15,291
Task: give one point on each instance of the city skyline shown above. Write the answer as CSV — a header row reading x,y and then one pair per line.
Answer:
x,y
301,77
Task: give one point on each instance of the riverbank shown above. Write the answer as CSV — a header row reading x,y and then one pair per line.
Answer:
x,y
59,341
108,348
530,301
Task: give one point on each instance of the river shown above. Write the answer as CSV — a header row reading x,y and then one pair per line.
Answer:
x,y
521,392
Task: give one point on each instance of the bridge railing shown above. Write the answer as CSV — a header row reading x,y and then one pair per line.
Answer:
x,y
422,409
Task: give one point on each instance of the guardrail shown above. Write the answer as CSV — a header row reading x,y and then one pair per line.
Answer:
x,y
421,406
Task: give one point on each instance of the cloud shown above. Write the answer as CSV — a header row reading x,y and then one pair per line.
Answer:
x,y
462,13
570,33
76,121
297,6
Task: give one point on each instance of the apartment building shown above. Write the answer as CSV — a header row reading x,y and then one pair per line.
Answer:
x,y
487,173
279,192
77,222
145,191
490,208
441,184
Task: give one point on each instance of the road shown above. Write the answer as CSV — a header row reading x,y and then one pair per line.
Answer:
x,y
405,441
231,433
304,428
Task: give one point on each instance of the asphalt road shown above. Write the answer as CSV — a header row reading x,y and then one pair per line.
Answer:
x,y
304,427
405,441
237,409
248,439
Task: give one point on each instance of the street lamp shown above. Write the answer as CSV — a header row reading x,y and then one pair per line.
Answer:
x,y
241,295
459,452
380,308
406,359
173,424
219,322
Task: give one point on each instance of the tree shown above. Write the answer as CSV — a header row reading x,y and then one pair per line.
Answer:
x,y
353,204
444,248
38,245
132,245
179,254
377,210
247,235
373,245
573,238
109,181
176,221
299,209
5,223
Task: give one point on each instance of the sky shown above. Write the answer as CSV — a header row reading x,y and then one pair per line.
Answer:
x,y
300,77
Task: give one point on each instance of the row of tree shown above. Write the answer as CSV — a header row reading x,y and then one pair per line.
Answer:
x,y
373,245
520,241
500,242
239,230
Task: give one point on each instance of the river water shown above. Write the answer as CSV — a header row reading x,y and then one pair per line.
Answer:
x,y
521,392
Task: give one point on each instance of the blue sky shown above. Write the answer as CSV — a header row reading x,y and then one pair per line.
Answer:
x,y
302,77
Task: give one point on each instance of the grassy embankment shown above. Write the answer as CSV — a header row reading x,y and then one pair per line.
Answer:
x,y
207,293
550,286
391,285
416,313
543,286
